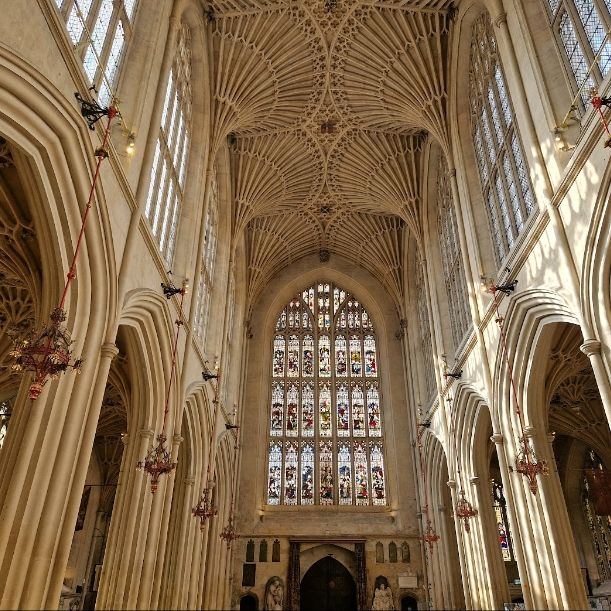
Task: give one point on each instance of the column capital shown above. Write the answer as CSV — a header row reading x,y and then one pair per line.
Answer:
x,y
177,439
146,433
590,347
497,438
500,19
109,350
474,480
189,481
529,431
452,484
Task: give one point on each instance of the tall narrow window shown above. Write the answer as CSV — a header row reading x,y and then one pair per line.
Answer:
x,y
204,287
502,524
326,443
503,172
5,416
99,30
426,341
595,504
581,27
164,199
451,257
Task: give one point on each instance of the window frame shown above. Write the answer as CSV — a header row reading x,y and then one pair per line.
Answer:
x,y
335,440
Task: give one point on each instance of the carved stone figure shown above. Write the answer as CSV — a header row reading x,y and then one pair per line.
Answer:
x,y
274,594
382,597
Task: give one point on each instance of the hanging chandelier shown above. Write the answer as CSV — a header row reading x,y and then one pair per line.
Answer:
x,y
429,536
205,509
46,352
464,510
229,533
526,463
158,460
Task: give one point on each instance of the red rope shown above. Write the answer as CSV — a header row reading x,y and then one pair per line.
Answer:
x,y
597,103
112,113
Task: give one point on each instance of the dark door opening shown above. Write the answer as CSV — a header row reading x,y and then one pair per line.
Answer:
x,y
409,603
328,586
248,603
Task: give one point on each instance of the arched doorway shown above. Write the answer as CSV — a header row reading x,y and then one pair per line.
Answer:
x,y
409,603
328,586
248,603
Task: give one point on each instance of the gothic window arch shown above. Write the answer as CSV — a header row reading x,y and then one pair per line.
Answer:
x,y
580,27
204,287
99,31
165,195
506,187
502,522
325,426
451,257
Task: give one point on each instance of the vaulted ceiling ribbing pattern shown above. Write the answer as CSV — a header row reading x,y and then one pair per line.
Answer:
x,y
329,104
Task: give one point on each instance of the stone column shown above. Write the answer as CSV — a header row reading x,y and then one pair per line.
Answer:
x,y
42,483
591,348
294,578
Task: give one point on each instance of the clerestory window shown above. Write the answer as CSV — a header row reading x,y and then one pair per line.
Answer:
x,y
325,419
165,196
99,30
581,28
503,172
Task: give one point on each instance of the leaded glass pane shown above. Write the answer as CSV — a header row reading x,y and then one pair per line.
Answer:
x,y
292,364
274,474
324,412
307,410
307,474
378,484
290,474
344,468
277,415
504,178
373,410
325,457
164,200
361,479
292,408
355,357
340,356
371,367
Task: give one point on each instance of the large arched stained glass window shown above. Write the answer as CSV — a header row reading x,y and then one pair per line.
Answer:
x,y
325,422
503,172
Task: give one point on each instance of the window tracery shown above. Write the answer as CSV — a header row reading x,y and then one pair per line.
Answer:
x,y
165,195
325,426
5,416
204,287
99,31
451,257
503,172
580,27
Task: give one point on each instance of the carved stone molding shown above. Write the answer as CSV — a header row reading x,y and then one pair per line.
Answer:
x,y
590,347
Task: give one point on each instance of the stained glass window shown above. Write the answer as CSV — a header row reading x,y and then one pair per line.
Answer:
x,y
451,257
504,178
204,287
580,27
326,422
5,416
502,524
99,31
164,199
599,524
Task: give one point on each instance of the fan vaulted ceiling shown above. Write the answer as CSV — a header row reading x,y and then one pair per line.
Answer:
x,y
327,104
